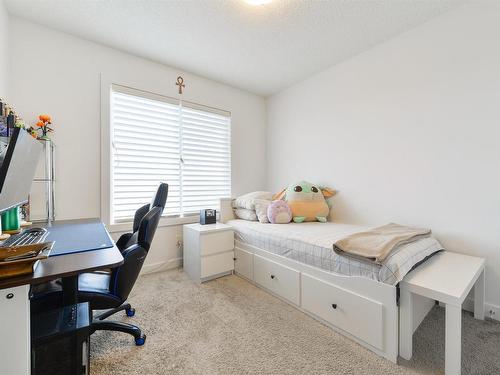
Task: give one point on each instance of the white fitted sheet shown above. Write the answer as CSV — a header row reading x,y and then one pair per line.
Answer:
x,y
312,244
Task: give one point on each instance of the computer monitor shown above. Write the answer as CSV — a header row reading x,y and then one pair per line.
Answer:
x,y
19,160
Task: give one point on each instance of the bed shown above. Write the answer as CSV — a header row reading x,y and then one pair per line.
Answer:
x,y
312,243
296,263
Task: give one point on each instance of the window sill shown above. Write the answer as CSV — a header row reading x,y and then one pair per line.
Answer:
x,y
164,222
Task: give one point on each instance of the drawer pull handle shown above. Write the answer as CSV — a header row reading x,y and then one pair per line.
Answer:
x,y
272,276
234,258
334,305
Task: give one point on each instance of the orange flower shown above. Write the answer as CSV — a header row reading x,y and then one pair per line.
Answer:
x,y
40,124
44,118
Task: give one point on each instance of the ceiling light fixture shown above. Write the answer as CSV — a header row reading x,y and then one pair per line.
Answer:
x,y
257,2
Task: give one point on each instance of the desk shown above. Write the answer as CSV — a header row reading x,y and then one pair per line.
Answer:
x,y
448,278
15,345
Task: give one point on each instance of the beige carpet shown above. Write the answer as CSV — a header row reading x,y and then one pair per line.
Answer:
x,y
229,326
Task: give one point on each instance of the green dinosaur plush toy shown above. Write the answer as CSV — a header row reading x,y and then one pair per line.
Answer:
x,y
307,201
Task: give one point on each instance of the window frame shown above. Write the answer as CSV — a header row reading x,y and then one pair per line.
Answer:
x,y
156,93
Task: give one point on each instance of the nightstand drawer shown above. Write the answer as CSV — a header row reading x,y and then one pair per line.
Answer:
x,y
215,264
217,242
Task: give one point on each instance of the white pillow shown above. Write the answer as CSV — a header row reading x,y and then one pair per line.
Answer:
x,y
245,214
248,200
261,209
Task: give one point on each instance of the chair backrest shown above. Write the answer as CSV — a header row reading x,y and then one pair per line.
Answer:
x,y
123,278
139,214
159,200
148,226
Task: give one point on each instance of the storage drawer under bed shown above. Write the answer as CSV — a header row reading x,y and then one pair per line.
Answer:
x,y
351,312
279,279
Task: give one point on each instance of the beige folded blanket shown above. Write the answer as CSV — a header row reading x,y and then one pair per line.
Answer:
x,y
376,244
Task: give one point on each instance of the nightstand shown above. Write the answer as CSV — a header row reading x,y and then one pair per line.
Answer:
x,y
208,251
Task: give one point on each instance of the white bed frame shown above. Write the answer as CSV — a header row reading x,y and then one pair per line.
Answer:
x,y
362,309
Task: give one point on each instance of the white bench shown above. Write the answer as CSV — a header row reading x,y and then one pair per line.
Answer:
x,y
448,278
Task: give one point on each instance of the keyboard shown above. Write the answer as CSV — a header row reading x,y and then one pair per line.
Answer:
x,y
26,237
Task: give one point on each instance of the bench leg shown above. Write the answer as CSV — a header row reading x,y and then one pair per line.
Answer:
x,y
405,324
479,297
453,340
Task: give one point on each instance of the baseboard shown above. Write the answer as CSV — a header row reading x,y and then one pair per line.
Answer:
x,y
161,266
490,311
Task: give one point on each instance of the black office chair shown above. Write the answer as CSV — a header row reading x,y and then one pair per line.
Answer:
x,y
111,290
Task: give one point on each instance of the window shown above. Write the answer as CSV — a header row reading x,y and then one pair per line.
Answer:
x,y
158,139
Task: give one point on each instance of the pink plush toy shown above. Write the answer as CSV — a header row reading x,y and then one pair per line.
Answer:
x,y
279,212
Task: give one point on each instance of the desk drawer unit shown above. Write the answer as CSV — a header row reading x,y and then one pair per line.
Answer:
x,y
355,314
283,281
243,263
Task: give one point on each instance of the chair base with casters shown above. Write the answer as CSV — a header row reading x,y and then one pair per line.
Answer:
x,y
129,310
99,324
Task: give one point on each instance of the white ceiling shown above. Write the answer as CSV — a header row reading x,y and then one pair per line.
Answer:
x,y
262,49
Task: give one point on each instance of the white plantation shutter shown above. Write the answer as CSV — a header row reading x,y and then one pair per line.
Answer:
x,y
206,155
155,139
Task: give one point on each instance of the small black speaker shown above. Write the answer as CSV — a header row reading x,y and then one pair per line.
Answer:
x,y
207,216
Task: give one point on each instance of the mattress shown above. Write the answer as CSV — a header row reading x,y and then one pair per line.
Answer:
x,y
312,244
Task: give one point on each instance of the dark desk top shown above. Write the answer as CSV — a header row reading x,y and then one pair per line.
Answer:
x,y
69,264
78,236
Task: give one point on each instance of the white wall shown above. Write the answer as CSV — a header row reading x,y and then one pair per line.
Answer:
x,y
4,49
59,74
408,131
